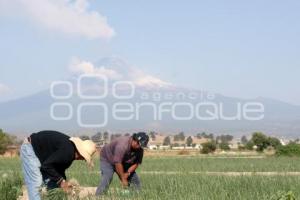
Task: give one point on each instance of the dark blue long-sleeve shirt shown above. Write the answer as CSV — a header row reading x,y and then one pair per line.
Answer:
x,y
55,152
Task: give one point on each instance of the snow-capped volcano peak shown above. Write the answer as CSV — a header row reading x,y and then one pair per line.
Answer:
x,y
115,68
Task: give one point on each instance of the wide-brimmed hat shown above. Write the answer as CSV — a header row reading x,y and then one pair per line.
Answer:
x,y
86,148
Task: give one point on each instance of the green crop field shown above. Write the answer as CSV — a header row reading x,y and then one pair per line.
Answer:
x,y
195,177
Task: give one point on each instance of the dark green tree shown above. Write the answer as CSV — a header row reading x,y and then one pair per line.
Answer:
x,y
211,136
244,140
260,140
249,145
84,137
5,141
97,137
274,142
189,141
204,135
105,136
199,136
152,135
224,146
179,137
175,145
224,138
209,147
167,141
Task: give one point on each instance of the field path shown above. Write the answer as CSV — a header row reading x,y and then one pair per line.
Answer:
x,y
84,192
224,173
229,173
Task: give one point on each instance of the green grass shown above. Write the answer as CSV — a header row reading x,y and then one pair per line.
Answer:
x,y
196,186
10,186
223,164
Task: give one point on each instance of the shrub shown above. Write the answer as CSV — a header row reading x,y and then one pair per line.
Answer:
x,y
183,152
241,147
263,142
175,145
209,147
292,149
224,146
249,145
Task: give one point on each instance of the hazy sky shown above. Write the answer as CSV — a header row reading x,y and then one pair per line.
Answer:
x,y
238,48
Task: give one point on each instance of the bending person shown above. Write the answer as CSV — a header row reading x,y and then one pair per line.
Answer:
x,y
123,156
45,157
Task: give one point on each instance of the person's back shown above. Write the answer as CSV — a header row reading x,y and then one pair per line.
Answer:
x,y
45,143
114,151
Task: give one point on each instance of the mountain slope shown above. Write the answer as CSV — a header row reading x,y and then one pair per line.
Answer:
x,y
32,113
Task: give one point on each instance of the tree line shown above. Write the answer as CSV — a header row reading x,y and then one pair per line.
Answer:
x,y
258,141
6,140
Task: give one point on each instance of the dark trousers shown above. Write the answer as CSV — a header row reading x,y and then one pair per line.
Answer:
x,y
107,172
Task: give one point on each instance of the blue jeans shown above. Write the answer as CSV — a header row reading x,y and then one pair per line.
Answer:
x,y
107,172
31,170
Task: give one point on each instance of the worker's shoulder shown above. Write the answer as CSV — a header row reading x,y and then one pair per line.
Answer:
x,y
49,133
122,139
53,137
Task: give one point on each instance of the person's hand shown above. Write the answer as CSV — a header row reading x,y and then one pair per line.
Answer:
x,y
124,182
126,175
66,186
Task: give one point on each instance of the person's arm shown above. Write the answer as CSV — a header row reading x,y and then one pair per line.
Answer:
x,y
60,157
120,171
139,159
119,153
118,156
132,168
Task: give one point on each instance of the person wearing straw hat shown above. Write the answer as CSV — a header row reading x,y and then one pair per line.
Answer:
x,y
123,156
45,157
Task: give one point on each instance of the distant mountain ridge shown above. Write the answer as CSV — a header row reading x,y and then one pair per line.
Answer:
x,y
32,113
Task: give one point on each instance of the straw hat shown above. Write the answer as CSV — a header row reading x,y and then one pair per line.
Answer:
x,y
86,148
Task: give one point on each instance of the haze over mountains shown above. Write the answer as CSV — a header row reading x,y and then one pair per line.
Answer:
x,y
33,113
